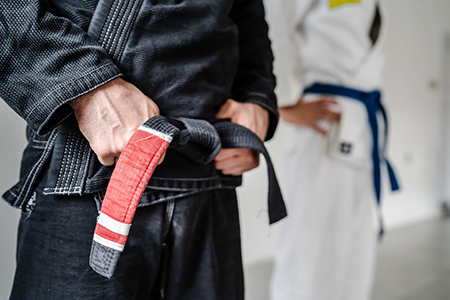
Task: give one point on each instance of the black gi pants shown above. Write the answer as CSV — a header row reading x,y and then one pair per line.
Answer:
x,y
187,248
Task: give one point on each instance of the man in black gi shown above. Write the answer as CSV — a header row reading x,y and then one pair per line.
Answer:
x,y
84,75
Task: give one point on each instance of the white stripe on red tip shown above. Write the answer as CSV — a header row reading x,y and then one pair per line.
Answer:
x,y
113,225
164,136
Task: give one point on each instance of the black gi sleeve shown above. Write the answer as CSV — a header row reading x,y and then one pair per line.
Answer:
x,y
254,81
45,62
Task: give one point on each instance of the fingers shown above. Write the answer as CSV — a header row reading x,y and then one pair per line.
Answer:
x,y
106,157
111,159
319,129
107,160
225,154
325,110
236,161
308,113
162,158
107,153
226,111
326,113
327,101
329,115
252,116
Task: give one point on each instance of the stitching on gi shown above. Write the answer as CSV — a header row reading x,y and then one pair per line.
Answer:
x,y
63,163
62,191
121,29
106,40
73,161
113,37
63,119
78,162
127,34
33,173
42,147
102,33
86,155
117,35
59,87
174,197
72,172
84,159
34,140
160,200
258,94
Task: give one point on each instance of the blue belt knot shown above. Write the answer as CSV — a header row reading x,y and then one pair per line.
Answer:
x,y
372,102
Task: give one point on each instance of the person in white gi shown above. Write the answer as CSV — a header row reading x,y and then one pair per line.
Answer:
x,y
327,55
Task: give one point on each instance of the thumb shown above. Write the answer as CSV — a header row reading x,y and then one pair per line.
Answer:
x,y
107,160
226,110
162,158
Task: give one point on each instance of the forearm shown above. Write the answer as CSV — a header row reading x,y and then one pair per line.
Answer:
x,y
46,62
288,114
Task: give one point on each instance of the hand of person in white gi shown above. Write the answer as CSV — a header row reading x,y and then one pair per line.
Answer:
x,y
309,113
109,116
252,116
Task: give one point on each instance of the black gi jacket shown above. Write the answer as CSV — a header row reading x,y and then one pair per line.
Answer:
x,y
189,56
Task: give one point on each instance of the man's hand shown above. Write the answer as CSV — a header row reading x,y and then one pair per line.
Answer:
x,y
252,116
109,115
308,113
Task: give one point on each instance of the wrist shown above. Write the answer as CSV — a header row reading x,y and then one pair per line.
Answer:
x,y
98,93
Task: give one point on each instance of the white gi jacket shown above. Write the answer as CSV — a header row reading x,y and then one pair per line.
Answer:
x,y
326,249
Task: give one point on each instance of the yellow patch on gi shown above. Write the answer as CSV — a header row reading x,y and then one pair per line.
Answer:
x,y
336,3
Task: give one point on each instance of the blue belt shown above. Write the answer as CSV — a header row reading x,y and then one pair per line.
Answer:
x,y
372,102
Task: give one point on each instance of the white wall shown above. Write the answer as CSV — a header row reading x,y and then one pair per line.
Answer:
x,y
414,50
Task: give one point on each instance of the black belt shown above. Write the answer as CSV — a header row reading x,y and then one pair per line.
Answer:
x,y
198,140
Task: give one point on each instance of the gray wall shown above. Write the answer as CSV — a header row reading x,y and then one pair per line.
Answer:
x,y
12,133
